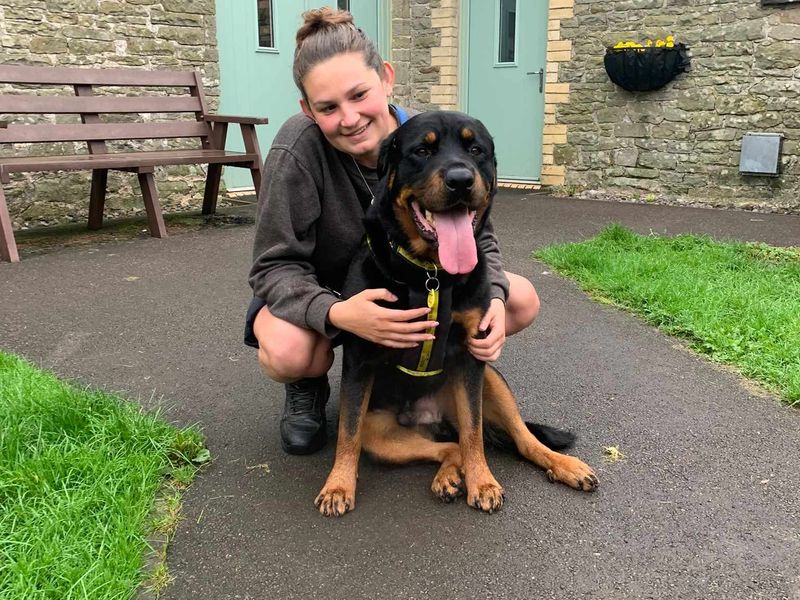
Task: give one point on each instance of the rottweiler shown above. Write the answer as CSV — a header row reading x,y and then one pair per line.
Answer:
x,y
438,180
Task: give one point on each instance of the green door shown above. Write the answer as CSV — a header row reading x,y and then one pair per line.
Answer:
x,y
506,51
255,39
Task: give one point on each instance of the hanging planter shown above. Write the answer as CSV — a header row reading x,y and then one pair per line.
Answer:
x,y
639,68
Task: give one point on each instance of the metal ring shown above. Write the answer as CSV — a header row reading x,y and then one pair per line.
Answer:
x,y
428,284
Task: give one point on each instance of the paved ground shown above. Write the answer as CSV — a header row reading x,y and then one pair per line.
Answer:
x,y
704,506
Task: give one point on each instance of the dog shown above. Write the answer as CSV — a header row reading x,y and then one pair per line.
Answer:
x,y
438,180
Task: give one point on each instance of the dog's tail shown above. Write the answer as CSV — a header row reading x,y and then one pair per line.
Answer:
x,y
555,439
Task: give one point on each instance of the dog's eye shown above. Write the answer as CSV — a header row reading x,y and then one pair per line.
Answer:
x,y
475,150
423,151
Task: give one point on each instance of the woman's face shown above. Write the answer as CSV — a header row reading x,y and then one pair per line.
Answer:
x,y
348,100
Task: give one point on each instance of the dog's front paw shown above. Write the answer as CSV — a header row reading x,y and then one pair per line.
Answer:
x,y
574,473
335,501
448,485
487,497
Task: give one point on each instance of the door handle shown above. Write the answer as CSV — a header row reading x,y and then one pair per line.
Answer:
x,y
540,73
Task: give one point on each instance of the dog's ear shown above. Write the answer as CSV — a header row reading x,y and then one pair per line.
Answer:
x,y
388,154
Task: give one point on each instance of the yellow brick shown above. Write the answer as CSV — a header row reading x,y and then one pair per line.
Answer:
x,y
554,25
549,118
561,13
556,98
558,88
445,102
554,170
439,52
443,13
551,78
555,130
557,45
559,56
443,89
554,34
561,4
440,61
552,179
554,139
448,80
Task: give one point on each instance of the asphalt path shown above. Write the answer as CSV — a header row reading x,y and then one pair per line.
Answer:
x,y
704,504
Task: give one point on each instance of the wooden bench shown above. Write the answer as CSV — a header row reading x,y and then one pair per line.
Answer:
x,y
105,117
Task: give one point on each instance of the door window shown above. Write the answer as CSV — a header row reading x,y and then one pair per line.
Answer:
x,y
343,4
266,26
507,31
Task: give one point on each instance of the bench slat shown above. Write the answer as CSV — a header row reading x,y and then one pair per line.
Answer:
x,y
122,160
103,131
24,104
70,76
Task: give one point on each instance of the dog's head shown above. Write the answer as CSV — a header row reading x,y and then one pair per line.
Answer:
x,y
439,171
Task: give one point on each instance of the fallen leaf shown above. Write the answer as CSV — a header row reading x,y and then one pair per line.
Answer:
x,y
612,453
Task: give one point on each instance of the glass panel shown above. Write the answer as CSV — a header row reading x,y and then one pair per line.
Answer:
x,y
508,30
343,4
266,31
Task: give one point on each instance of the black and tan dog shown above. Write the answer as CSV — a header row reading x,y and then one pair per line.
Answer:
x,y
439,180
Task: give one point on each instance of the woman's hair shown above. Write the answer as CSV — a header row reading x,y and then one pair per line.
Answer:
x,y
326,32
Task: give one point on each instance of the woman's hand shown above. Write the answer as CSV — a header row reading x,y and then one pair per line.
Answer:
x,y
494,321
385,326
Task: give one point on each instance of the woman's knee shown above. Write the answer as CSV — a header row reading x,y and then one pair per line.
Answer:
x,y
287,352
522,306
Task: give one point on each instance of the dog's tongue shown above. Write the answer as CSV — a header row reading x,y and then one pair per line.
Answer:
x,y
457,250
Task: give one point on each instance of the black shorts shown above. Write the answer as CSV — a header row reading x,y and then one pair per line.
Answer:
x,y
256,304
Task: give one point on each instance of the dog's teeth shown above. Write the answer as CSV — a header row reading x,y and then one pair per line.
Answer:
x,y
430,216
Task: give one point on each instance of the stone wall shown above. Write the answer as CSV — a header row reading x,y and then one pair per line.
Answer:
x,y
164,34
414,39
683,142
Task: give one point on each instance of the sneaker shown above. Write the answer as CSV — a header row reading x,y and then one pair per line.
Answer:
x,y
303,424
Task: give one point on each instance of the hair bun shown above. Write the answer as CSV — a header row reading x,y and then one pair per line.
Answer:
x,y
319,19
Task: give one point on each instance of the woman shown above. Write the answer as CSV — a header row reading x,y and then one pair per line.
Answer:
x,y
319,177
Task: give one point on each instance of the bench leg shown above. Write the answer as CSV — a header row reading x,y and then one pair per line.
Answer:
x,y
212,189
150,194
98,198
8,247
256,173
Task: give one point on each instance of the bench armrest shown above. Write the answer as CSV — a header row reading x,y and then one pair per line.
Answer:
x,y
235,119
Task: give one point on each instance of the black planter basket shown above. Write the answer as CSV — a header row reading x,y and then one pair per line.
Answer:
x,y
645,69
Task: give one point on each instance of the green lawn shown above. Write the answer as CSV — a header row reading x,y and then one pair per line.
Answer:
x,y
739,303
79,470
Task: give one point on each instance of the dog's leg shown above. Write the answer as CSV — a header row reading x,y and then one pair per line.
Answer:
x,y
338,495
501,410
465,390
386,440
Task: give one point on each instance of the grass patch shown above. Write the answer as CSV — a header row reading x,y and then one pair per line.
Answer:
x,y
79,471
738,303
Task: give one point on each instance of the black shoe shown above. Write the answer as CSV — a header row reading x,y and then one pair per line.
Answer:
x,y
303,425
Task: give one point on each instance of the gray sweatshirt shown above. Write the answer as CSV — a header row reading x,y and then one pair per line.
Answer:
x,y
309,226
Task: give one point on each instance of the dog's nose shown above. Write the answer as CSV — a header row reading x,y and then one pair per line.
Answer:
x,y
459,179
